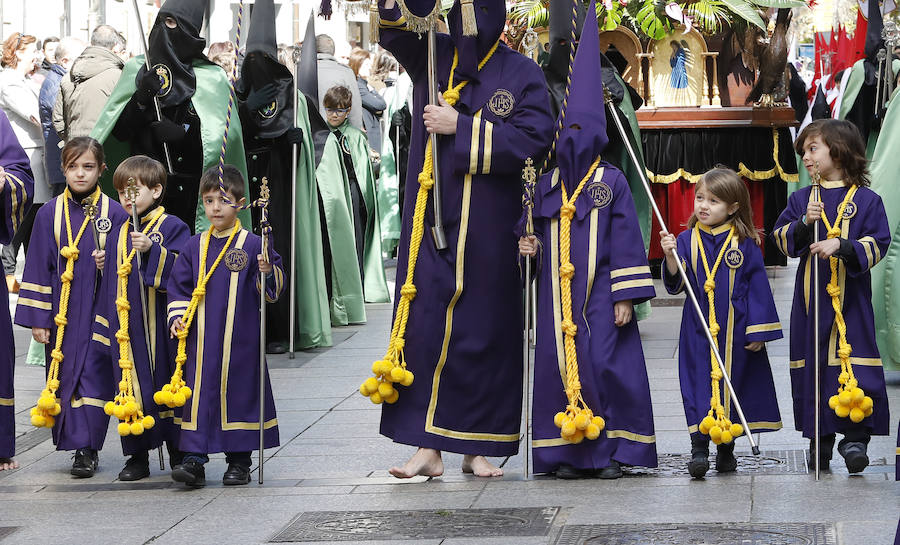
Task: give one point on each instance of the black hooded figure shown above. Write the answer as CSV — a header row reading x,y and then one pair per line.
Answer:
x,y
266,106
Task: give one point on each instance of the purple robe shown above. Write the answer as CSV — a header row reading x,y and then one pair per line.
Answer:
x,y
222,368
85,384
464,333
745,312
865,226
167,237
15,200
610,266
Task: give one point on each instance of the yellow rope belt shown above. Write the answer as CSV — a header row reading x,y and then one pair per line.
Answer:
x,y
176,393
125,407
578,421
850,400
48,405
392,369
716,424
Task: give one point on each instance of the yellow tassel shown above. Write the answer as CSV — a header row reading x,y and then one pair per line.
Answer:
x,y
374,20
470,26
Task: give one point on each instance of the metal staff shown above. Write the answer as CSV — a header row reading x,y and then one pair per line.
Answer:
x,y
817,378
131,193
684,276
293,256
265,230
90,211
440,240
140,24
529,176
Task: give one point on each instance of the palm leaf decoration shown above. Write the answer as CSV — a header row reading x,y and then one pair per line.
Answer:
x,y
652,20
535,12
709,15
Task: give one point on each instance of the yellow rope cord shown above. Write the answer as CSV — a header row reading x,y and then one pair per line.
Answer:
x,y
392,369
716,424
850,400
125,406
43,415
578,421
176,393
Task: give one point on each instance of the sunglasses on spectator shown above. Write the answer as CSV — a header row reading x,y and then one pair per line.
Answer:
x,y
334,111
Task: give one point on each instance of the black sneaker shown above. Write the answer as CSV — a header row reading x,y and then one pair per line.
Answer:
x,y
190,473
854,456
136,468
566,471
612,471
725,460
85,464
236,474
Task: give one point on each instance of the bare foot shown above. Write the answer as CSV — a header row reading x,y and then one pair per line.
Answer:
x,y
8,463
426,461
480,466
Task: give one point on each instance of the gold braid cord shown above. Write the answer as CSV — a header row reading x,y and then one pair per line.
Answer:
x,y
850,400
48,407
125,407
417,24
577,422
715,423
392,369
176,393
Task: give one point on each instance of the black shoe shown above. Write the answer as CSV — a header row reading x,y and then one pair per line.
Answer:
x,y
725,460
86,463
566,471
236,474
612,471
854,456
276,348
827,445
136,468
190,473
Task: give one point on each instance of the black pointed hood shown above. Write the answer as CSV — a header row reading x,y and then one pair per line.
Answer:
x,y
307,70
187,11
261,36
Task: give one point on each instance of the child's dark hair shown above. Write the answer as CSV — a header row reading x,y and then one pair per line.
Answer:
x,y
143,169
77,147
728,187
337,97
232,179
845,145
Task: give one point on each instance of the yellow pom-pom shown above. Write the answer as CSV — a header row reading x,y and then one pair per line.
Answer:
x,y
708,421
715,433
148,422
857,394
599,422
38,420
109,407
157,398
123,386
866,404
376,398
844,398
843,377
55,410
371,385
843,411
407,378
185,391
559,418
397,374
852,383
592,432
137,428
857,415
34,411
124,429
376,367
582,421
131,408
736,430
726,437
362,389
46,402
168,388
119,412
576,437
702,428
385,389
49,421
178,399
869,412
568,428
166,398
395,395
833,401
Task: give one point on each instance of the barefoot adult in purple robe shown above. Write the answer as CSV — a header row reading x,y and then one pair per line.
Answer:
x,y
16,190
464,337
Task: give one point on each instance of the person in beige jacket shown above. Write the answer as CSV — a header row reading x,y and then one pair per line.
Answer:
x,y
83,92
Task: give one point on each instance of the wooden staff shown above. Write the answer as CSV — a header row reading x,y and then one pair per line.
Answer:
x,y
817,376
265,231
529,177
131,193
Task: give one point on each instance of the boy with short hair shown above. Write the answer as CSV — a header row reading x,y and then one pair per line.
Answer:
x,y
215,271
159,240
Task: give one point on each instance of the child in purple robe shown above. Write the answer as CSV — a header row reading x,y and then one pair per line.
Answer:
x,y
16,191
723,261
159,243
853,237
59,255
222,368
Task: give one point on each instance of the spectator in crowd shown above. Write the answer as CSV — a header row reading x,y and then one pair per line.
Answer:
x,y
224,55
46,58
384,72
372,103
65,53
91,79
19,99
334,73
287,55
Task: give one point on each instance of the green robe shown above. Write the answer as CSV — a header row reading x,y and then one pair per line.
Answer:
x,y
210,103
389,181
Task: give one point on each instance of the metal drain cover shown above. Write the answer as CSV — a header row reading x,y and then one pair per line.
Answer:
x,y
416,525
769,462
699,534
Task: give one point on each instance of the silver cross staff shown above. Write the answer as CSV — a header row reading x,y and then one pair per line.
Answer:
x,y
265,231
529,177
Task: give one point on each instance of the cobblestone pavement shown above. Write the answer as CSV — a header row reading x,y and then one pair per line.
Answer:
x,y
327,482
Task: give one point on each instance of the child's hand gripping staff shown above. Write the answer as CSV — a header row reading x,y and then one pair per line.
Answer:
x,y
717,412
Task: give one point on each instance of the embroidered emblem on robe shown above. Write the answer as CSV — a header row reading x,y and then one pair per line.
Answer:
x,y
734,258
236,259
601,193
104,225
502,103
850,210
156,237
165,79
268,111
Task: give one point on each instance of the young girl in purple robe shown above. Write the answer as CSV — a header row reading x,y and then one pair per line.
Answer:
x,y
56,301
721,256
853,237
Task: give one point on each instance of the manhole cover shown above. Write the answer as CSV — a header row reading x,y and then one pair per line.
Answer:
x,y
416,525
699,534
769,462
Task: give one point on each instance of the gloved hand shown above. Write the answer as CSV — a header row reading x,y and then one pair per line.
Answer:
x,y
167,131
261,97
294,135
147,88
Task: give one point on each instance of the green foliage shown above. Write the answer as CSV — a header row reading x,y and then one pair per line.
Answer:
x,y
708,15
653,21
536,12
